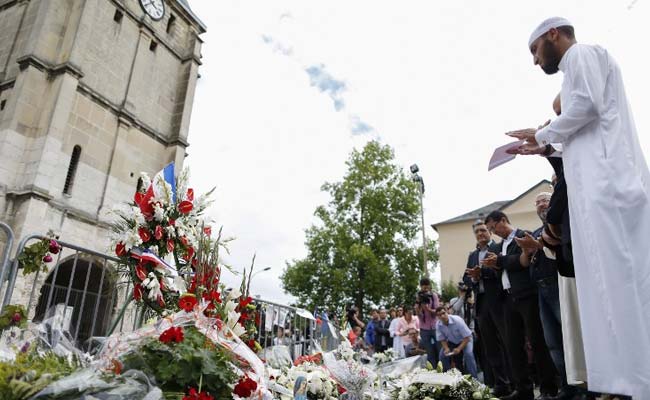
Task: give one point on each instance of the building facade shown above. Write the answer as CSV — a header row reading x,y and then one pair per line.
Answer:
x,y
456,238
92,92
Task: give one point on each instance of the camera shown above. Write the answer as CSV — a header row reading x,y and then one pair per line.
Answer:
x,y
424,297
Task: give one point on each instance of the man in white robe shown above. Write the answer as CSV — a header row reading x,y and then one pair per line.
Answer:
x,y
608,186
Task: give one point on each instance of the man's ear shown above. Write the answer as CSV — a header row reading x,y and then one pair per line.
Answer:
x,y
553,35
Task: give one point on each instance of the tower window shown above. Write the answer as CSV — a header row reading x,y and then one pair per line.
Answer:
x,y
171,23
118,16
139,185
153,45
3,103
72,169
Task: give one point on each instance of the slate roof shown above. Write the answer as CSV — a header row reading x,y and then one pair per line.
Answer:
x,y
186,6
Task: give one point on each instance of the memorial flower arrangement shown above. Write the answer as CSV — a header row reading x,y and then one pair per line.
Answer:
x,y
313,379
423,384
384,358
157,235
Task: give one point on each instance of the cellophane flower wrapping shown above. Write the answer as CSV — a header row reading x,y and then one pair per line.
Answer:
x,y
350,374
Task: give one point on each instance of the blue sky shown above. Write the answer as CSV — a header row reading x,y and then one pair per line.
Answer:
x,y
288,88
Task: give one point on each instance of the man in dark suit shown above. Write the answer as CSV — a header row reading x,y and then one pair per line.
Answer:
x,y
382,335
489,309
521,310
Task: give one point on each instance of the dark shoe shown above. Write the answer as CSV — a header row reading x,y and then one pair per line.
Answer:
x,y
519,395
501,391
547,397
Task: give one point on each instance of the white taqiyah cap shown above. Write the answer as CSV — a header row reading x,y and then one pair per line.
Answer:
x,y
547,25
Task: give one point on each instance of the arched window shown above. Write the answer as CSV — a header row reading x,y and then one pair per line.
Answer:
x,y
139,185
72,169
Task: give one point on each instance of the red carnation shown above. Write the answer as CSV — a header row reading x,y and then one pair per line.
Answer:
x,y
172,222
173,334
120,249
187,302
185,207
190,194
158,233
170,245
245,387
141,272
244,302
137,291
192,394
144,233
207,230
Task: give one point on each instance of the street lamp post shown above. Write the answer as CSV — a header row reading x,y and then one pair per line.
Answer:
x,y
418,179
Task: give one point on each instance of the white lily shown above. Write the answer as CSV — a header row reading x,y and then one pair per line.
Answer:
x,y
234,294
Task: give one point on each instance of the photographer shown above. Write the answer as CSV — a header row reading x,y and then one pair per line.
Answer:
x,y
352,318
462,305
425,306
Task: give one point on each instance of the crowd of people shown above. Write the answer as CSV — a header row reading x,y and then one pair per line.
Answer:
x,y
427,327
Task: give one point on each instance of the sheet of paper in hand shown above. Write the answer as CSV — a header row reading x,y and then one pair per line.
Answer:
x,y
500,155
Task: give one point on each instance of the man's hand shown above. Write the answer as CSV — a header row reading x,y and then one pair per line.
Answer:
x,y
531,146
490,260
474,273
529,243
455,351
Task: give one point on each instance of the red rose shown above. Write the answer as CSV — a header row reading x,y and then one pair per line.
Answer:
x,y
172,222
170,245
245,387
54,247
185,207
190,194
16,318
144,233
141,272
120,249
173,334
47,258
184,240
158,234
137,291
192,394
207,230
187,302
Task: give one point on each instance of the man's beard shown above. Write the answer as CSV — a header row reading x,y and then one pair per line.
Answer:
x,y
552,58
542,215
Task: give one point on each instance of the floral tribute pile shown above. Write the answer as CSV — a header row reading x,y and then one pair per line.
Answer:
x,y
204,342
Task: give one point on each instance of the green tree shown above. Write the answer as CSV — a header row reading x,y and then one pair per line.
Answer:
x,y
363,248
449,290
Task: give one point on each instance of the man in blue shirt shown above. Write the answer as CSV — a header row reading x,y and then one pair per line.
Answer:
x,y
455,338
370,329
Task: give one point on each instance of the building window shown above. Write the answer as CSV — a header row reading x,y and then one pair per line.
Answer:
x,y
153,45
139,185
3,103
118,16
72,169
171,24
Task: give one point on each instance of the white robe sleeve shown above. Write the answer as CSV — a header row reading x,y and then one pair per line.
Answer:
x,y
586,79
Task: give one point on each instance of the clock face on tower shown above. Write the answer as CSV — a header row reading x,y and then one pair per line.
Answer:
x,y
154,8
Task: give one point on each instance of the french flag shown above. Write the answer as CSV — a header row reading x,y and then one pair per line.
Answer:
x,y
156,189
146,255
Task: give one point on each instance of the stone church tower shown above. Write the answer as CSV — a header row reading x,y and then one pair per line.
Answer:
x,y
92,92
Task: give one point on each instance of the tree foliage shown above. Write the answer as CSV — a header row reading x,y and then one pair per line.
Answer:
x,y
363,249
449,290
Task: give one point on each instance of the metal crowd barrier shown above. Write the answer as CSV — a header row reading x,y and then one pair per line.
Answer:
x,y
296,328
83,292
